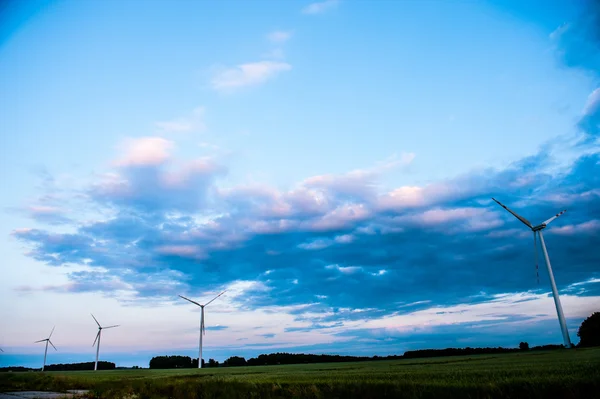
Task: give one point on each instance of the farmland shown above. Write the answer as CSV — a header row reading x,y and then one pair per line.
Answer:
x,y
560,373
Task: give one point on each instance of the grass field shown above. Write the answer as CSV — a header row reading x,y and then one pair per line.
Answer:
x,y
562,374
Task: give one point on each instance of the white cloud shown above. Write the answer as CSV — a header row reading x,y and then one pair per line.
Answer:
x,y
592,105
249,74
276,54
279,36
193,122
589,227
320,7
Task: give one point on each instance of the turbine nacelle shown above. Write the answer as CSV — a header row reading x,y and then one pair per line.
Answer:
x,y
539,227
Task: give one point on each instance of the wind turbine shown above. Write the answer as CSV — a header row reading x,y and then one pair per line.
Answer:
x,y
46,350
538,230
100,328
202,330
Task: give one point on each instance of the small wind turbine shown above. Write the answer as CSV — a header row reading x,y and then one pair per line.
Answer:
x,y
202,330
538,230
98,336
46,350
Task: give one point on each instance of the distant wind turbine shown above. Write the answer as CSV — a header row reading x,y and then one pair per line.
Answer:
x,y
202,330
538,230
46,350
98,336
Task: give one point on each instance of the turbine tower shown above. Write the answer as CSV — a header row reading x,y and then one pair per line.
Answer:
x,y
537,230
98,336
202,330
46,350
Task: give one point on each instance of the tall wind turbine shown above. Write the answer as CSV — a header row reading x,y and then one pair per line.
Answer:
x,y
46,350
98,336
202,330
537,230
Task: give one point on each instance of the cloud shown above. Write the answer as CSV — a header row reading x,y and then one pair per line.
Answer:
x,y
577,44
249,74
590,119
193,122
145,151
279,36
48,214
330,236
320,7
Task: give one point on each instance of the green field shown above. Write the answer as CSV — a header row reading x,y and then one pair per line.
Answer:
x,y
561,373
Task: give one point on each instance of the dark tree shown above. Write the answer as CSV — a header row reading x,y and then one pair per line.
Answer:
x,y
589,331
212,363
171,362
524,346
234,361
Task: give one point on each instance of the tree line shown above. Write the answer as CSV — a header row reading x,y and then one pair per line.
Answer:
x,y
102,365
280,358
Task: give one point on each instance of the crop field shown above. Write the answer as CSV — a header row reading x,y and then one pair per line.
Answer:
x,y
561,373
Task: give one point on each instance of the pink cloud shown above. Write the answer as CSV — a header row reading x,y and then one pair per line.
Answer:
x,y
341,216
145,151
188,251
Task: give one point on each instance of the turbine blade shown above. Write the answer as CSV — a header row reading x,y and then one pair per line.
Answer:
x,y
547,222
41,340
187,299
96,321
206,304
51,332
521,218
116,325
537,274
97,335
1,350
50,342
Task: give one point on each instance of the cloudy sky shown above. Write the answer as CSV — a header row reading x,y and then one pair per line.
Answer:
x,y
330,164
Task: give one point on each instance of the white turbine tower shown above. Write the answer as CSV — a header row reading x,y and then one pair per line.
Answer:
x,y
46,350
537,230
202,330
98,336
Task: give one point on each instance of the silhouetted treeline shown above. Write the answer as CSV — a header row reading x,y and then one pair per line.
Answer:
x,y
172,362
469,351
178,362
80,366
166,362
65,367
299,358
17,368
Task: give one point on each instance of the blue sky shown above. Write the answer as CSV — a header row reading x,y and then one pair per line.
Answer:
x,y
330,164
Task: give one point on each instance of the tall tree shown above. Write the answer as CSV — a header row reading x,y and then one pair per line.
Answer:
x,y
589,331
